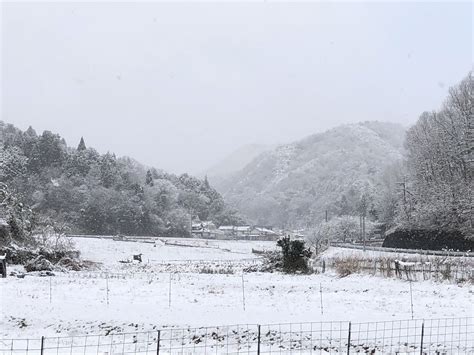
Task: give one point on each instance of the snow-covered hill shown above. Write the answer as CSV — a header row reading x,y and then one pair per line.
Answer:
x,y
293,184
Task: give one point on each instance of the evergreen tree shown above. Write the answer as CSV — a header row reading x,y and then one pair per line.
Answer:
x,y
31,132
206,183
108,170
82,145
51,150
149,178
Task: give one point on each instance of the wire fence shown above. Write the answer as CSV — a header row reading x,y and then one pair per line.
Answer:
x,y
438,269
429,336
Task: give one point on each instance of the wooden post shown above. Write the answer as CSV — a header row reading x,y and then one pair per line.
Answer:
x,y
349,340
258,340
158,343
42,345
243,292
321,294
422,335
169,293
107,286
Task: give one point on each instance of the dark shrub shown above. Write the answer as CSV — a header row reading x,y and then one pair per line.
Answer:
x,y
295,255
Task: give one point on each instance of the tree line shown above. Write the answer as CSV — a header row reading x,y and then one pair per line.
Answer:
x,y
96,193
438,191
430,188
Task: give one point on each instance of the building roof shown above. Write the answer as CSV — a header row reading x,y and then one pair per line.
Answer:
x,y
242,228
265,230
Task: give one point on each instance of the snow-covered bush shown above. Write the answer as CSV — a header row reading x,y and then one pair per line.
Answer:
x,y
40,263
52,236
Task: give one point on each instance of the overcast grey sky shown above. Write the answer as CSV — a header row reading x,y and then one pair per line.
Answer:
x,y
178,86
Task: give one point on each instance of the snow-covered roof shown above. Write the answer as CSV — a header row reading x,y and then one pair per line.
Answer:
x,y
210,231
203,225
207,223
265,230
242,228
226,228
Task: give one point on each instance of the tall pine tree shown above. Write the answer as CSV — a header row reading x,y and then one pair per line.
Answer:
x,y
149,178
82,145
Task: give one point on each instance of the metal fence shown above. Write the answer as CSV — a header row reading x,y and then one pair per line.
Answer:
x,y
429,336
457,270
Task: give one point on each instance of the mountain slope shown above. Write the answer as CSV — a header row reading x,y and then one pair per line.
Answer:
x,y
294,184
235,162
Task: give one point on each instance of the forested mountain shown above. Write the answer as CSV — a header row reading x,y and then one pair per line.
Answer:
x,y
102,194
293,185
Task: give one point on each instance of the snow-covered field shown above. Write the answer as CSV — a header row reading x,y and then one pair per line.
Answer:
x,y
145,297
109,252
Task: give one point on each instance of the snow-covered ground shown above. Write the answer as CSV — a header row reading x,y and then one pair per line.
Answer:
x,y
109,252
139,300
80,305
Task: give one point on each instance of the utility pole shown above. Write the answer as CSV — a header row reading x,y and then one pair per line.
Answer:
x,y
404,187
363,212
363,230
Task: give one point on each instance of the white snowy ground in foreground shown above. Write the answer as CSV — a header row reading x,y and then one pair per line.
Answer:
x,y
79,305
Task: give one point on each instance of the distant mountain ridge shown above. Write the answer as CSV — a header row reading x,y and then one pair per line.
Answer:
x,y
235,161
293,184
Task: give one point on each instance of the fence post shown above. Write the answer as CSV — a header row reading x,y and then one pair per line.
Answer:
x,y
42,345
169,294
158,343
258,339
422,335
349,340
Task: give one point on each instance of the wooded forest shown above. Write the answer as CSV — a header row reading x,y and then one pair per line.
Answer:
x,y
45,181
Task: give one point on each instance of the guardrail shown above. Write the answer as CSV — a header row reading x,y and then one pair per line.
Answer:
x,y
404,251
